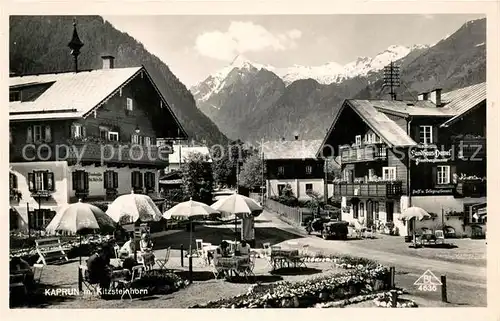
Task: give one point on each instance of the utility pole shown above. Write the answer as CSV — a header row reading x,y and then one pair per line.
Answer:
x,y
262,165
392,78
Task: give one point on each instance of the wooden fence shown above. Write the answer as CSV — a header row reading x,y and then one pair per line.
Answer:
x,y
291,215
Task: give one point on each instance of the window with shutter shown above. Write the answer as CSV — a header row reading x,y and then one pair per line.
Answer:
x,y
80,180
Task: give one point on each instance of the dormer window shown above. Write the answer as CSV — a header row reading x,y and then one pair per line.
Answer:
x,y
38,134
113,136
130,104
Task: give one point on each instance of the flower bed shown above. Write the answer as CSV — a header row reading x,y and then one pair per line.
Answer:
x,y
310,292
391,298
159,284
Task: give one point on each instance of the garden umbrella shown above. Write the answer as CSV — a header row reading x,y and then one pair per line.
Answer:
x,y
80,218
237,206
190,210
414,213
129,208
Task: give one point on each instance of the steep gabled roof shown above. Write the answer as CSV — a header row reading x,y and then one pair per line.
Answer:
x,y
383,126
463,100
72,95
291,149
76,95
412,108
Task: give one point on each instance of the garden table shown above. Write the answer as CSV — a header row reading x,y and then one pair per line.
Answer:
x,y
286,258
231,265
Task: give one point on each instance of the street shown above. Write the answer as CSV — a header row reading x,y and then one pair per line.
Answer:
x,y
466,283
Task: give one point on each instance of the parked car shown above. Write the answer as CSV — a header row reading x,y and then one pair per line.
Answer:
x,y
328,228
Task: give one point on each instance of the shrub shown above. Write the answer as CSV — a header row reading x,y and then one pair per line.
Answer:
x,y
102,205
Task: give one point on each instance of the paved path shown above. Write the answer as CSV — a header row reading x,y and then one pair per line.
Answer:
x,y
466,282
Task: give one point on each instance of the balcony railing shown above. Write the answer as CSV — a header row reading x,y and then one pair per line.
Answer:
x,y
364,153
470,148
375,189
93,151
471,188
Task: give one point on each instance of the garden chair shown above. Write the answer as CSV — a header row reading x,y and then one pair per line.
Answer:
x,y
84,276
162,263
216,268
439,236
369,232
50,250
247,268
126,285
199,247
305,250
37,272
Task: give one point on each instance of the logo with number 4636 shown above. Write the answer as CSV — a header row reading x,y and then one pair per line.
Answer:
x,y
427,282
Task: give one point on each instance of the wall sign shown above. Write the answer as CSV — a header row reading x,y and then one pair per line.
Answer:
x,y
432,191
422,154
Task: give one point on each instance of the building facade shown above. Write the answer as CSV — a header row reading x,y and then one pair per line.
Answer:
x,y
293,163
88,135
396,154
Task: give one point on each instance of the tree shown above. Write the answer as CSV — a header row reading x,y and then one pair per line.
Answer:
x,y
197,179
225,162
251,172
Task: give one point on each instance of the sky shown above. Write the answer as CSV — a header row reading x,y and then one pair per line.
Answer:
x,y
196,46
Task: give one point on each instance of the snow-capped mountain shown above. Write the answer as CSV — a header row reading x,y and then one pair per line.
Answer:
x,y
328,73
333,72
214,83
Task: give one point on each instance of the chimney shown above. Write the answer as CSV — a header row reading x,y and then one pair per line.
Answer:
x,y
436,97
423,96
108,62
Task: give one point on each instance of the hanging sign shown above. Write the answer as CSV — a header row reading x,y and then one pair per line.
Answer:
x,y
423,154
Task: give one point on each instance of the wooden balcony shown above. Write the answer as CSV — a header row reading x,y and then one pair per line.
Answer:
x,y
472,188
470,148
364,153
113,153
372,189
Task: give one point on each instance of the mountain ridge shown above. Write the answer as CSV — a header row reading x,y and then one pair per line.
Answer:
x,y
308,106
38,44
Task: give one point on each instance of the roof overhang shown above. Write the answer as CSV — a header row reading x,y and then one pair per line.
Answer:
x,y
374,128
455,118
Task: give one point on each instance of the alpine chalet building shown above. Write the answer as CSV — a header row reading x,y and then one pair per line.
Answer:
x,y
87,135
429,153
